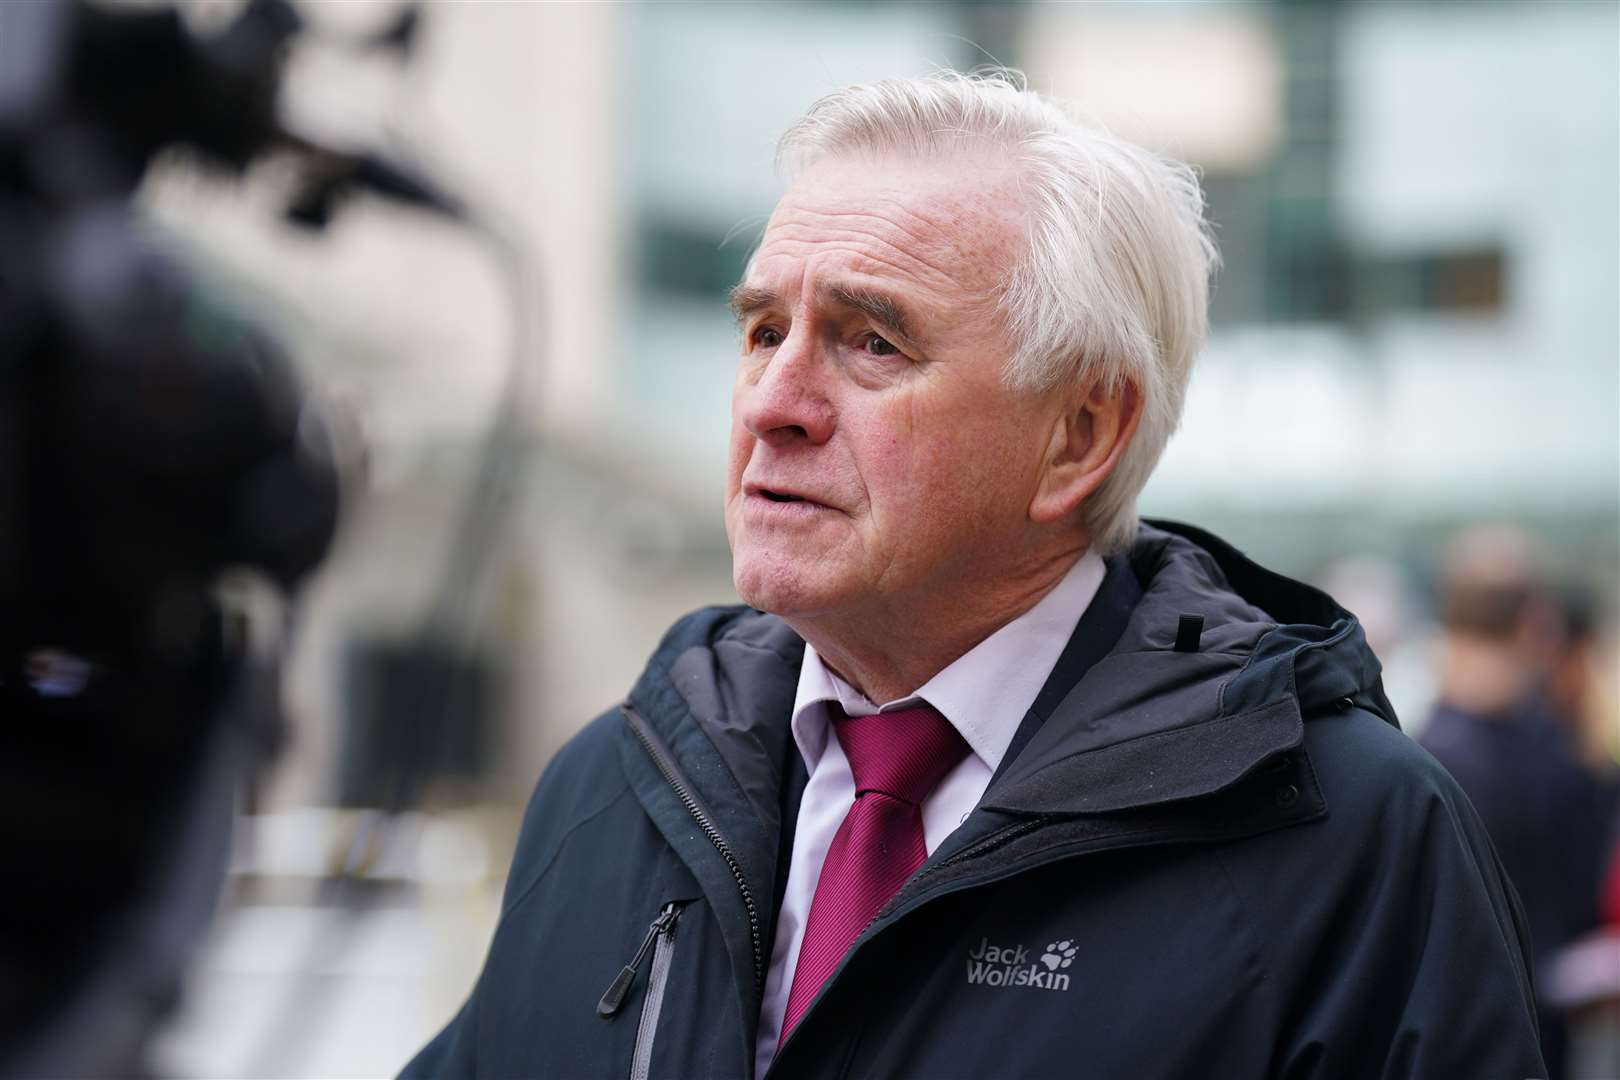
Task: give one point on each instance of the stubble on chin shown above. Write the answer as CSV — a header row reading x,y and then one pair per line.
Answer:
x,y
759,584
773,581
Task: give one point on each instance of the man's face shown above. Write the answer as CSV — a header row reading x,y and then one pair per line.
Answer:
x,y
876,456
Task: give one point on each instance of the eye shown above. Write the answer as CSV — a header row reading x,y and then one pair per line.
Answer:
x,y
880,346
767,337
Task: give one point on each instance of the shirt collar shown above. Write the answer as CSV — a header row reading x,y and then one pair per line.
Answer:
x,y
984,693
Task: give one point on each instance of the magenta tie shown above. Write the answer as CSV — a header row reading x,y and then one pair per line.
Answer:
x,y
897,758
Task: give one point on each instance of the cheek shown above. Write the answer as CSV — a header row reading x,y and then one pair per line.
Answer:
x,y
891,463
973,472
925,447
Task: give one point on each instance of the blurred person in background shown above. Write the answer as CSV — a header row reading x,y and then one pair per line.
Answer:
x,y
1581,689
1509,724
1584,979
991,779
1584,982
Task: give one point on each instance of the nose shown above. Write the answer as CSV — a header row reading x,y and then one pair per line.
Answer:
x,y
784,399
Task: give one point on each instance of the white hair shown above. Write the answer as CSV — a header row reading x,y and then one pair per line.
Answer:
x,y
1113,287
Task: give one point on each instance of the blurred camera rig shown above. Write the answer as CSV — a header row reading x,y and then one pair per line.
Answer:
x,y
150,438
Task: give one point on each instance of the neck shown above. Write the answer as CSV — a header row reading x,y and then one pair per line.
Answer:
x,y
889,651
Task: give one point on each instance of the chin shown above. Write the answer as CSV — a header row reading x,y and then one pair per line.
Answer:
x,y
780,587
765,592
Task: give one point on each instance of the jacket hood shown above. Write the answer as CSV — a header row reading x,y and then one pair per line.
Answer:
x,y
1218,665
1213,675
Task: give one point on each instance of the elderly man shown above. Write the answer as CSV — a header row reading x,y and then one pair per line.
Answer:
x,y
990,780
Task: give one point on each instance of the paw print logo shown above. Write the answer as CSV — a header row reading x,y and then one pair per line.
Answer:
x,y
1059,954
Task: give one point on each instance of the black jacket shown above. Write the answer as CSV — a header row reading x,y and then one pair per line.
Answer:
x,y
1209,853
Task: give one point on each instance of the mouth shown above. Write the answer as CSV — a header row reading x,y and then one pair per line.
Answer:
x,y
781,496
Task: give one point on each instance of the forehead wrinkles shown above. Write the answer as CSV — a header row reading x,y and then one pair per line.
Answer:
x,y
949,248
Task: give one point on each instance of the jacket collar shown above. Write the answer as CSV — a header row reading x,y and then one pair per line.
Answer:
x,y
1154,720
1210,678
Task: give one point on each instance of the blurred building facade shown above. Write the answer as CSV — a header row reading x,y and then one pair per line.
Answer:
x,y
1415,321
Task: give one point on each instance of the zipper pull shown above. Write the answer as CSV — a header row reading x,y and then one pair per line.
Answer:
x,y
613,1000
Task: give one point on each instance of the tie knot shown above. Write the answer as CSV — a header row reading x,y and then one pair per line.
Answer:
x,y
904,753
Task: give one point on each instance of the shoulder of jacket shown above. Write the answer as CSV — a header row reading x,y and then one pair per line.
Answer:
x,y
1369,767
1381,896
1389,800
1394,820
582,780
585,776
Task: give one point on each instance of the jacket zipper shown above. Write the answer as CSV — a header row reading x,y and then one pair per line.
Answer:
x,y
653,1003
974,850
705,824
662,927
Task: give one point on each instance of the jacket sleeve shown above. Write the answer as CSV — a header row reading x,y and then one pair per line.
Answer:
x,y
1403,953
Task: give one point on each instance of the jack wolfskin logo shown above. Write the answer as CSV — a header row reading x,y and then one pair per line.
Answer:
x,y
1059,954
1009,965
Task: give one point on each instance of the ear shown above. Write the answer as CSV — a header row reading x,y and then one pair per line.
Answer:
x,y
1088,437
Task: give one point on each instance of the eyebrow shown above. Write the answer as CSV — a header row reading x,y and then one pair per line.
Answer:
x,y
880,307
746,299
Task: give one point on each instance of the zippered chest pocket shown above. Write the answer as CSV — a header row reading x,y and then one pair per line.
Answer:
x,y
660,941
649,967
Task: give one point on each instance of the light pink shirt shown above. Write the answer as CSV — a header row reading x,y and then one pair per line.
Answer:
x,y
984,694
